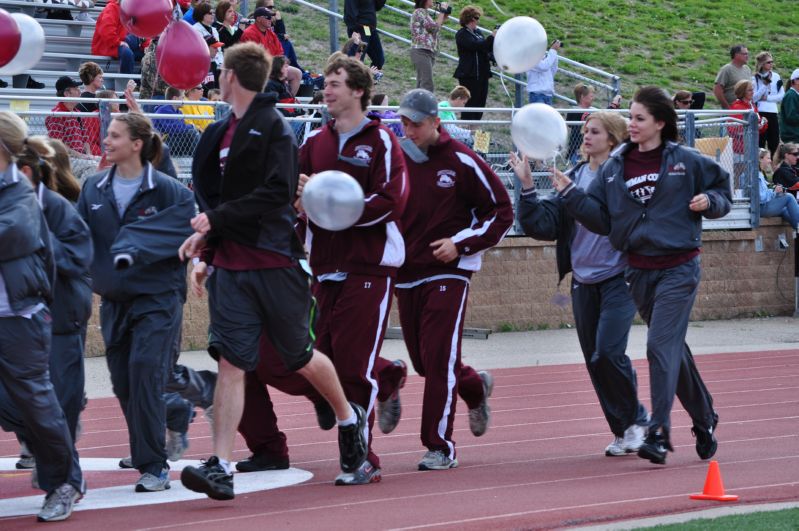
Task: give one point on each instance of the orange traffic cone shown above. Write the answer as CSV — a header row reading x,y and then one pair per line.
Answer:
x,y
714,487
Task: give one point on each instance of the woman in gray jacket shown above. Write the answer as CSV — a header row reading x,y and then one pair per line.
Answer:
x,y
649,198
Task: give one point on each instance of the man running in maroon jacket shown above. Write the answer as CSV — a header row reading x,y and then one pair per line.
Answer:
x,y
355,268
457,209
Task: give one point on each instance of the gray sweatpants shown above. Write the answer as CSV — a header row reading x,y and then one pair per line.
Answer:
x,y
664,298
424,60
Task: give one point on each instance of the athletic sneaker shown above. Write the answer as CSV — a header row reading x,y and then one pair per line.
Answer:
x,y
126,462
151,483
389,411
616,448
706,443
655,448
631,441
83,16
176,444
437,460
480,416
325,416
365,474
58,504
26,459
260,462
210,479
352,444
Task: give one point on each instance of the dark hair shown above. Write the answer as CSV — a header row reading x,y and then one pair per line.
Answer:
x,y
251,64
660,106
141,128
358,75
277,65
221,10
419,4
377,99
735,50
172,93
200,11
468,14
65,181
88,71
35,155
681,96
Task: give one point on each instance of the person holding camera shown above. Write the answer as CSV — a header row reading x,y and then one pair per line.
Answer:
x,y
474,59
541,78
424,40
769,92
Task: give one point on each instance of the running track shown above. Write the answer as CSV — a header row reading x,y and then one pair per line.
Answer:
x,y
541,465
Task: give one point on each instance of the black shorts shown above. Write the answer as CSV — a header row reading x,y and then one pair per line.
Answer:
x,y
244,304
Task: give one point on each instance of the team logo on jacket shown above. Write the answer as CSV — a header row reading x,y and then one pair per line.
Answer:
x,y
446,179
676,169
146,212
363,152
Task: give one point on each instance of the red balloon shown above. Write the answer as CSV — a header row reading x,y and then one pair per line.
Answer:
x,y
10,37
182,56
145,18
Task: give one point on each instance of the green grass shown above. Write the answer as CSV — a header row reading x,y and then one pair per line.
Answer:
x,y
676,45
785,520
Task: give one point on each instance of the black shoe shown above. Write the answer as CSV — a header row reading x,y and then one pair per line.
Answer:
x,y
3,84
325,415
654,448
210,479
260,462
352,445
706,443
33,84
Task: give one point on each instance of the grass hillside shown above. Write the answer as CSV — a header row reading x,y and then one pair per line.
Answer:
x,y
676,45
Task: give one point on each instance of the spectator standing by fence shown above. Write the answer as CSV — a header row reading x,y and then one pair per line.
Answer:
x,y
361,16
730,74
474,59
541,78
584,96
789,111
424,41
769,92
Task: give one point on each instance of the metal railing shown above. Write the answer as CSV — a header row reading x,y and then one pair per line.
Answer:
x,y
730,141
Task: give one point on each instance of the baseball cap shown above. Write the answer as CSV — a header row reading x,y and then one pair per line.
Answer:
x,y
212,42
63,83
795,74
262,12
418,104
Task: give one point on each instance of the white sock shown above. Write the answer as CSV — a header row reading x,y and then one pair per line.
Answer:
x,y
226,466
353,418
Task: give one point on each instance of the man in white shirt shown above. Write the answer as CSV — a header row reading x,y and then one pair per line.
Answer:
x,y
541,78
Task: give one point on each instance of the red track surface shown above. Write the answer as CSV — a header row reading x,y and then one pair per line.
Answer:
x,y
541,465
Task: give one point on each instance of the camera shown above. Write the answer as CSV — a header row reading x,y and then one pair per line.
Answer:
x,y
246,21
447,11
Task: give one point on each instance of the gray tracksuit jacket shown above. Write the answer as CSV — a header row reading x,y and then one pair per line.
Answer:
x,y
665,225
137,253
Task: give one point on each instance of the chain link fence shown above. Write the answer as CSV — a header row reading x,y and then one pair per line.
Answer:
x,y
729,141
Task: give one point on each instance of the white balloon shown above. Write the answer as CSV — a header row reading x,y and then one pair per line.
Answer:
x,y
539,131
520,44
30,49
333,200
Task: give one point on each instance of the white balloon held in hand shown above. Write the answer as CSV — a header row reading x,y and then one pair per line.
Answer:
x,y
333,200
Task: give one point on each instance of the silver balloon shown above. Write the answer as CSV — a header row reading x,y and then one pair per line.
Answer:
x,y
539,131
520,44
333,200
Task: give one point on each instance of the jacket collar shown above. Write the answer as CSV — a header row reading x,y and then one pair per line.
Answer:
x,y
147,183
10,176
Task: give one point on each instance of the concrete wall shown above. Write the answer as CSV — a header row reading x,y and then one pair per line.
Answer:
x,y
518,280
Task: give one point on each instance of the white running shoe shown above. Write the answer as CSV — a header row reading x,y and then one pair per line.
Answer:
x,y
633,438
616,448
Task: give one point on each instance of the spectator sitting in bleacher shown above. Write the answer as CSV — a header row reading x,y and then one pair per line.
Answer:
x,y
211,80
785,171
278,83
776,202
66,128
195,95
381,100
91,75
204,24
279,27
153,86
458,97
263,33
111,38
66,14
214,95
181,137
226,17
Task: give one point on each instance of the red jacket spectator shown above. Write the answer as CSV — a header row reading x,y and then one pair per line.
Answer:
x,y
108,31
67,129
267,39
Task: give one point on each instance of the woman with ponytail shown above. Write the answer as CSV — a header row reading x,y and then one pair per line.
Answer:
x,y
138,219
26,287
72,304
